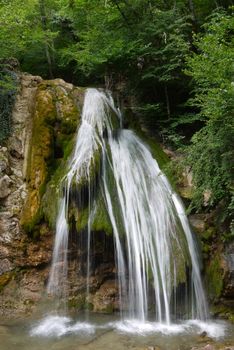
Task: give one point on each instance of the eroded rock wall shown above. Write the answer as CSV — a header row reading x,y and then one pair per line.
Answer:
x,y
19,255
33,162
44,120
216,246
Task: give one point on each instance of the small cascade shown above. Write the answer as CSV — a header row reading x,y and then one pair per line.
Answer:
x,y
157,262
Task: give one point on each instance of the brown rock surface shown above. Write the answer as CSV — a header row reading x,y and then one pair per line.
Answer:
x,y
25,258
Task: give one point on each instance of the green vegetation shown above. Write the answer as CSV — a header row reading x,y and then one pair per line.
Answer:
x,y
214,276
211,151
8,90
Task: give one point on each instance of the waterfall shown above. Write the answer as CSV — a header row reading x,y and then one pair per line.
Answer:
x,y
155,251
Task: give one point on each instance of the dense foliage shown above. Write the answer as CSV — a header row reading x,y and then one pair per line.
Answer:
x,y
8,90
171,61
212,68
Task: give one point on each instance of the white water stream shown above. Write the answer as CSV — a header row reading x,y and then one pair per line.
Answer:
x,y
154,246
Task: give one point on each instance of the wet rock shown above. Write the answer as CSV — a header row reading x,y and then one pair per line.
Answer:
x,y
105,298
5,183
203,334
228,265
16,147
197,222
4,162
5,266
43,111
186,183
22,292
19,291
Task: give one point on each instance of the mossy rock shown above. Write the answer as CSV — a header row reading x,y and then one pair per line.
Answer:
x,y
77,302
54,192
208,233
214,277
50,199
100,221
223,311
55,121
40,154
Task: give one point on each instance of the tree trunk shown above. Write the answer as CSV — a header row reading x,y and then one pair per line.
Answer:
x,y
44,27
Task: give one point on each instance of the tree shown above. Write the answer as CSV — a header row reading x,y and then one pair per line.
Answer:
x,y
28,33
211,151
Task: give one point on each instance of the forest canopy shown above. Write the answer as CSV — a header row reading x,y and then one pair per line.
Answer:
x,y
175,59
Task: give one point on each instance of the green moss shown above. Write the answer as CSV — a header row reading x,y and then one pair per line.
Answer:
x,y
101,220
208,234
55,121
179,249
40,154
50,199
68,145
77,302
214,277
109,309
223,311
88,306
206,248
81,218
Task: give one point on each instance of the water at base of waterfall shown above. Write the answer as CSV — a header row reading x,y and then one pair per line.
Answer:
x,y
57,326
107,332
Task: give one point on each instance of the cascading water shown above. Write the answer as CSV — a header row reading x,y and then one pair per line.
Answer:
x,y
95,120
154,249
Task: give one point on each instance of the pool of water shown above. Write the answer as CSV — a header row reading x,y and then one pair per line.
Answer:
x,y
99,332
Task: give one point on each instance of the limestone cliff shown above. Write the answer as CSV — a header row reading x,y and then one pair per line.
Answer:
x,y
44,120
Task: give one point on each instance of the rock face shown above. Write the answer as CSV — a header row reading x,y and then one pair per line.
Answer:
x,y
215,243
32,162
18,261
218,262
